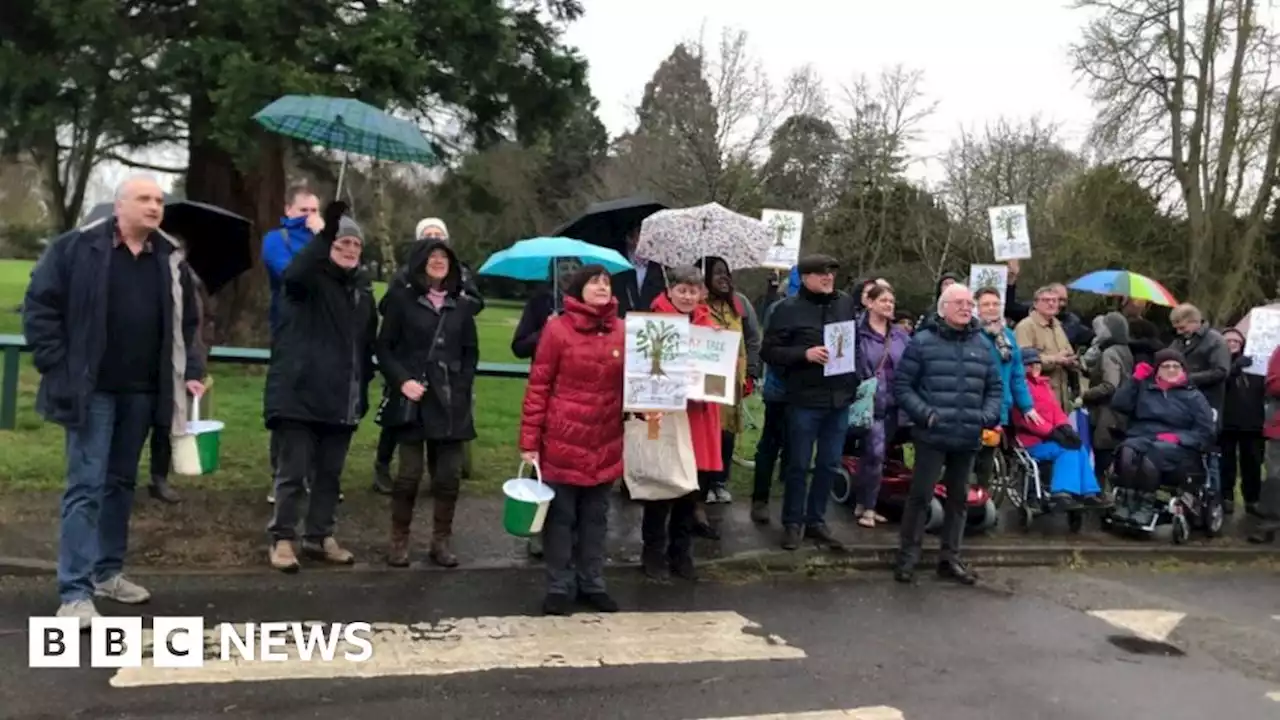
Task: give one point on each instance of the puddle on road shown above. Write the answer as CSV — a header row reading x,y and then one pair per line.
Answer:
x,y
1142,646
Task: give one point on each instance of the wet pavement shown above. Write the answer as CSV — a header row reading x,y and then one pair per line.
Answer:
x,y
1037,643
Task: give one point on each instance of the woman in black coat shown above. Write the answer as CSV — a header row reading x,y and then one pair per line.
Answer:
x,y
428,351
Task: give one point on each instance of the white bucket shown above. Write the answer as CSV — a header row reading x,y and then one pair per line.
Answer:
x,y
196,452
525,510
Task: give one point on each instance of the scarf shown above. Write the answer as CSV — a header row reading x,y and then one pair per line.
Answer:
x,y
996,331
1168,384
436,297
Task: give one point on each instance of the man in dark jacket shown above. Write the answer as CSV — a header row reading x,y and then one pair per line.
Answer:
x,y
317,385
1208,359
636,289
111,317
817,404
1243,414
949,386
772,446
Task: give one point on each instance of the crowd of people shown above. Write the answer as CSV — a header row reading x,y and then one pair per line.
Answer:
x,y
112,315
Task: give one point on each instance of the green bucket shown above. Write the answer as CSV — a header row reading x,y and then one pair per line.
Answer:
x,y
525,509
196,451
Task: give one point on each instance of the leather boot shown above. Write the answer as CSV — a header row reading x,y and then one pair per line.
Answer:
x,y
401,519
442,531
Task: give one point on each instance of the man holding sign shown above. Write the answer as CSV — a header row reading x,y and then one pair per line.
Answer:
x,y
795,344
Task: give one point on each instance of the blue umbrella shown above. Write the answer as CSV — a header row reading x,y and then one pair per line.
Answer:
x,y
531,259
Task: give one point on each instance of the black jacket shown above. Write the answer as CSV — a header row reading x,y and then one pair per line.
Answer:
x,y
64,319
795,325
1208,363
1244,407
949,385
438,348
322,356
524,342
634,297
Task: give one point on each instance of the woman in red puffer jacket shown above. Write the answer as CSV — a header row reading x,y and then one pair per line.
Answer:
x,y
668,525
571,429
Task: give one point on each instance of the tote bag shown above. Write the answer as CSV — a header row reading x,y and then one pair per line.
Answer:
x,y
862,412
663,468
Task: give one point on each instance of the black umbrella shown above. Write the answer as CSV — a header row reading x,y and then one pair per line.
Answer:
x,y
217,240
607,223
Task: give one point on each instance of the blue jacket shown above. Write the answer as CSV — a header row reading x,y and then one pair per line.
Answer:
x,y
277,251
1183,411
774,391
1013,378
947,376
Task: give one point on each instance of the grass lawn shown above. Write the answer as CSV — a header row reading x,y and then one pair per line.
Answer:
x,y
31,457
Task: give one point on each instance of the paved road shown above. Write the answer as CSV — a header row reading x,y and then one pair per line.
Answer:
x,y
1023,645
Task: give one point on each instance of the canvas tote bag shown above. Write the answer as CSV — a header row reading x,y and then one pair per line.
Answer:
x,y
662,468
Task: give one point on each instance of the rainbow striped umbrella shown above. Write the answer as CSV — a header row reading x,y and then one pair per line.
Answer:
x,y
1125,284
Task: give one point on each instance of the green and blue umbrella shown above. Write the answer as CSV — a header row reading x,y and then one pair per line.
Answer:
x,y
531,259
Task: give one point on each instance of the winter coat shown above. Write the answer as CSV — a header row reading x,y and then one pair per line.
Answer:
x,y
437,347
949,387
572,413
774,390
533,320
1046,406
1272,386
1181,410
1013,383
1114,366
634,296
704,417
279,247
797,325
64,319
871,349
1049,338
1244,407
322,355
1208,361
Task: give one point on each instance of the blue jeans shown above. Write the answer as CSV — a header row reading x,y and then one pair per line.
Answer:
x,y
1072,469
102,470
807,427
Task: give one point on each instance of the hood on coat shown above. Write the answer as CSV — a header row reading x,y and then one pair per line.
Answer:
x,y
1238,334
416,269
590,318
1111,328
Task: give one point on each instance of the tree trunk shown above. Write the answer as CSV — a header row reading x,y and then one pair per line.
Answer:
x,y
253,188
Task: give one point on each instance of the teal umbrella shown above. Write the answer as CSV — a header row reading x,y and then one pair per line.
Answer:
x,y
348,125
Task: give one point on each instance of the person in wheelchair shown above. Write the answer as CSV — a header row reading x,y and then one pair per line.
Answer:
x,y
1052,438
1171,427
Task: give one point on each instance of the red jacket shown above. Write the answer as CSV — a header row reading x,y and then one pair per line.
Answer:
x,y
704,417
1045,401
572,413
1272,429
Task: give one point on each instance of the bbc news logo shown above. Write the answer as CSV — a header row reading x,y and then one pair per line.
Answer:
x,y
185,642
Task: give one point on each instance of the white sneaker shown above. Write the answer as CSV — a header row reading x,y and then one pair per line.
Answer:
x,y
720,496
271,498
121,590
82,610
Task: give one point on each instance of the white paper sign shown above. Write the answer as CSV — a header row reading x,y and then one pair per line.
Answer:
x,y
990,276
841,341
1264,336
1010,237
786,226
657,369
713,364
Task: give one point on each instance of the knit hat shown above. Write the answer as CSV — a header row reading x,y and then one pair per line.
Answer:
x,y
1236,332
349,228
430,222
1167,355
1030,356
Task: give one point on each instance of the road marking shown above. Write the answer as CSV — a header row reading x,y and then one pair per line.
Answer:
x,y
879,712
500,643
1154,625
1274,696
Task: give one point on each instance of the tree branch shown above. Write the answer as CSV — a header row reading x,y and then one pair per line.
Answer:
x,y
139,165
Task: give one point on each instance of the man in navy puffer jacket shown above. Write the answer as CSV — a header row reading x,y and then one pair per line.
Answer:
x,y
949,385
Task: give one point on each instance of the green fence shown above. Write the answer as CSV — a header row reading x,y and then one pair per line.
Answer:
x,y
14,345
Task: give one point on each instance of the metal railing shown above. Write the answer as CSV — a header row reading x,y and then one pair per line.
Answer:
x,y
12,346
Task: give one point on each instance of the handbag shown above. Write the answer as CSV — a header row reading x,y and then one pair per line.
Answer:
x,y
862,412
396,410
663,468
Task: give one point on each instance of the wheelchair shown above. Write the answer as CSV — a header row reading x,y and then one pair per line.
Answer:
x,y
1186,501
1023,482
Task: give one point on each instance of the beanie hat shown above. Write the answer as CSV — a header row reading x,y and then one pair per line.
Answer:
x,y
430,222
349,228
1169,354
1030,356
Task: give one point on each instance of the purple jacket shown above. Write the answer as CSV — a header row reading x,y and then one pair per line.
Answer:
x,y
871,347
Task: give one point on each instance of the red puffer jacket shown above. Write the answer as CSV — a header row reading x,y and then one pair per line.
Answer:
x,y
704,417
572,413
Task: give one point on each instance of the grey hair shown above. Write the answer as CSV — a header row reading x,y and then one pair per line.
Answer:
x,y
136,177
1186,312
949,293
1045,290
684,275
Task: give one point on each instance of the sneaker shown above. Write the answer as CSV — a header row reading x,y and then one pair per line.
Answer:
x,y
122,590
82,610
600,602
956,571
329,551
822,535
557,604
791,536
760,512
271,498
722,496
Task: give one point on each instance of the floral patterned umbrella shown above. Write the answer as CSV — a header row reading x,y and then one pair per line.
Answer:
x,y
683,236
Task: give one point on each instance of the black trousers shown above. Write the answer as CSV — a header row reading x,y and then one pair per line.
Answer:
x,y
1241,455
161,453
315,452
667,527
953,468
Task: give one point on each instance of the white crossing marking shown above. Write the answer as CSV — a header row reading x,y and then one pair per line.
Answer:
x,y
492,643
879,712
1274,696
1154,625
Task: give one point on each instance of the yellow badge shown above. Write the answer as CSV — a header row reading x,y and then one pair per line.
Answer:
x,y
615,353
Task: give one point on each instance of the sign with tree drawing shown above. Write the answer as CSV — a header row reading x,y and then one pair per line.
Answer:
x,y
786,226
1262,339
713,360
1010,237
841,341
990,276
657,369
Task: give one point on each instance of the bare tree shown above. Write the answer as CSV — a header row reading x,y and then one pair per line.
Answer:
x,y
883,122
1190,97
